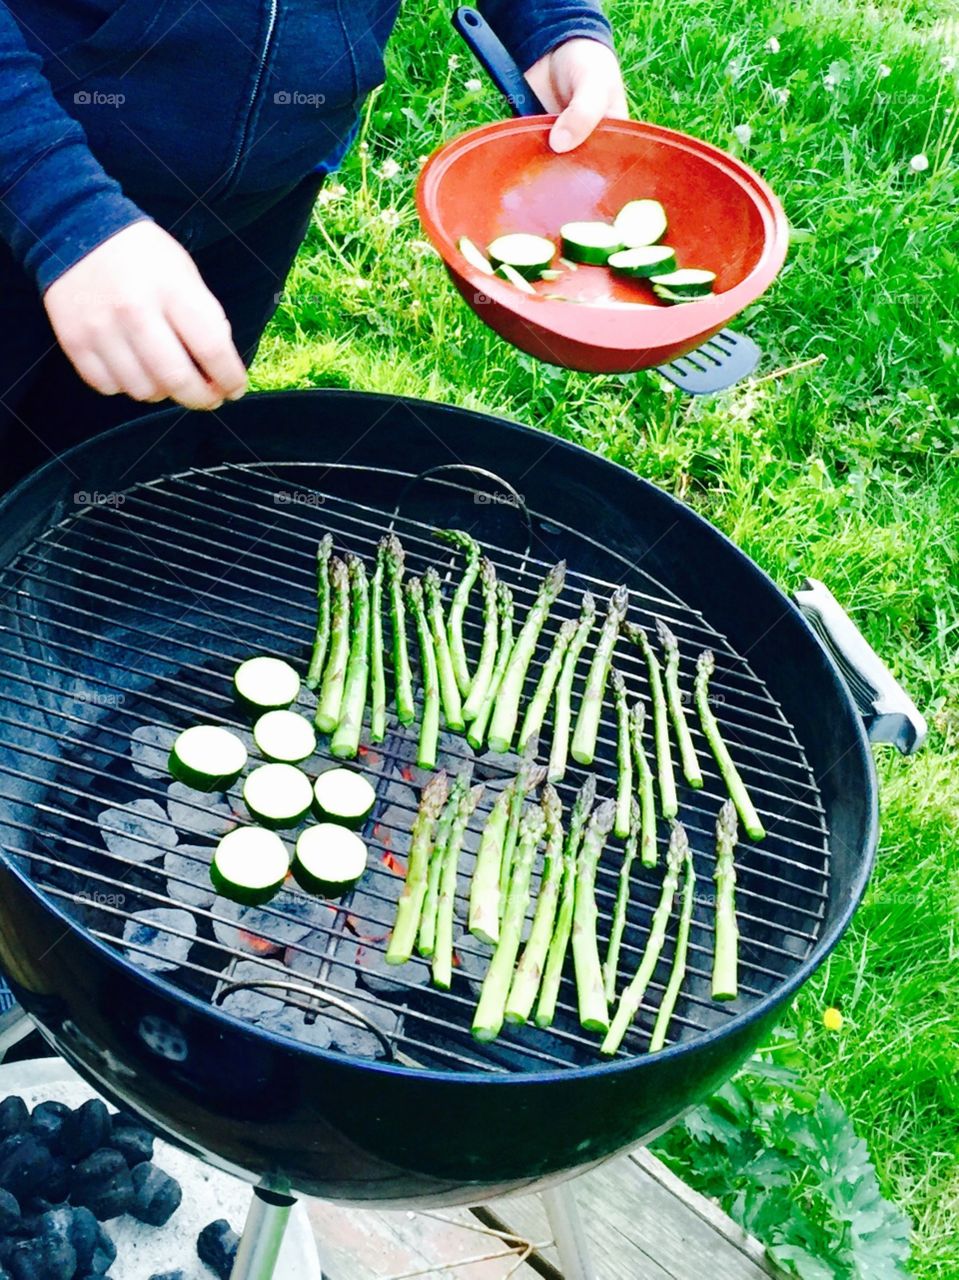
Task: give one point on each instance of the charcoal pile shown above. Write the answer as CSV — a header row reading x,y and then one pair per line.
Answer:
x,y
67,1172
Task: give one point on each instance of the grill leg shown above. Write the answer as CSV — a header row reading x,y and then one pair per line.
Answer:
x,y
263,1236
569,1235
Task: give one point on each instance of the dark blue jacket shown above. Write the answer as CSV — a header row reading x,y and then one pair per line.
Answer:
x,y
114,109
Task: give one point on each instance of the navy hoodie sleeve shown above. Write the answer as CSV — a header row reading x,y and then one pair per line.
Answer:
x,y
56,201
531,28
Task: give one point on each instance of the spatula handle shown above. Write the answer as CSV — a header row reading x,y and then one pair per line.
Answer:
x,y
497,62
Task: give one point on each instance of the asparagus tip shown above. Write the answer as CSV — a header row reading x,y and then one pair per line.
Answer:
x,y
638,716
603,817
727,824
707,663
666,636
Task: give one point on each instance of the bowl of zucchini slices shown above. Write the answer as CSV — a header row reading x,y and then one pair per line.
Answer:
x,y
623,254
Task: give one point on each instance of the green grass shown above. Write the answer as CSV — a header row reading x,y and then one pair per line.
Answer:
x,y
846,470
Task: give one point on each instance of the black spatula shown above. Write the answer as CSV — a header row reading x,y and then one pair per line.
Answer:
x,y
718,363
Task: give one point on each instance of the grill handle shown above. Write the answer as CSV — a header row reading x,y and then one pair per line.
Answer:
x,y
888,712
513,498
493,56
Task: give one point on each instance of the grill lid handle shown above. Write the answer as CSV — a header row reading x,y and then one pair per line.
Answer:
x,y
888,712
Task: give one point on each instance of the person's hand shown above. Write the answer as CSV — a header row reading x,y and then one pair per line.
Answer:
x,y
582,81
134,316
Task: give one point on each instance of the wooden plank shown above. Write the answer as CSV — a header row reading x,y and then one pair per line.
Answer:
x,y
642,1226
374,1244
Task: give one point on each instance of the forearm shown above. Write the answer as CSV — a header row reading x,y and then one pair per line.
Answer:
x,y
56,201
532,28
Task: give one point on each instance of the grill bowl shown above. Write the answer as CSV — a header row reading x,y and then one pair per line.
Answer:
x,y
263,1104
503,177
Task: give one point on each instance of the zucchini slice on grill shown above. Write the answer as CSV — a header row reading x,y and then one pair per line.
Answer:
x,y
249,865
285,736
343,796
207,758
266,684
278,795
329,859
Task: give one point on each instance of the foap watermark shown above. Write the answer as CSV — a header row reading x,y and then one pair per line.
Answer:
x,y
499,499
98,98
298,498
297,98
97,697
99,898
94,498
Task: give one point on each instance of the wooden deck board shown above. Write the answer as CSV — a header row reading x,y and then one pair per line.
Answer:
x,y
642,1222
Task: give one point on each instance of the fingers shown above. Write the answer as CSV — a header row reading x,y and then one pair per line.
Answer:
x,y
167,362
589,103
205,333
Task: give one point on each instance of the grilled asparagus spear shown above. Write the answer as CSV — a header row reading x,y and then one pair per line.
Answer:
x,y
562,717
426,940
664,757
461,597
624,758
443,955
346,738
487,659
484,886
632,997
687,751
488,1019
321,639
527,780
476,736
678,972
449,689
538,704
402,673
737,788
726,957
334,676
590,709
559,943
430,725
529,971
647,799
410,905
611,964
506,710
593,1010
377,674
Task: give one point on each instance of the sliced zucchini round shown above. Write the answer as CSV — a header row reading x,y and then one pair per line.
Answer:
x,y
667,295
343,796
285,736
529,255
474,256
249,865
207,758
690,282
642,263
590,242
278,795
266,684
329,859
513,276
641,222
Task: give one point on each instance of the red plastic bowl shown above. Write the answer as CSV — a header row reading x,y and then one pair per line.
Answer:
x,y
503,177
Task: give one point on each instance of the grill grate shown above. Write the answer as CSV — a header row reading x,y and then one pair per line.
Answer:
x,y
122,625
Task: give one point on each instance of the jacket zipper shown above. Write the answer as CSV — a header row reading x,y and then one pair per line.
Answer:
x,y
254,95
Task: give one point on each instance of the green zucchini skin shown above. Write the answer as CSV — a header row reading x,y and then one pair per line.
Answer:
x,y
323,885
352,822
642,271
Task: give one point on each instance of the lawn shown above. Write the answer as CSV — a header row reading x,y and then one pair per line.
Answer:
x,y
844,468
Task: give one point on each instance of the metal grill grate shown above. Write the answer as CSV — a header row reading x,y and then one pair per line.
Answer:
x,y
122,625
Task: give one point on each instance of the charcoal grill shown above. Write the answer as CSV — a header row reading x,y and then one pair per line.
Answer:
x,y
138,571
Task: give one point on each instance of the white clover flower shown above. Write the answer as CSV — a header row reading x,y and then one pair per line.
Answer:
x,y
773,45
390,218
415,305
948,63
780,96
744,134
453,61
829,82
473,85
359,283
919,163
332,191
882,71
389,169
421,160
